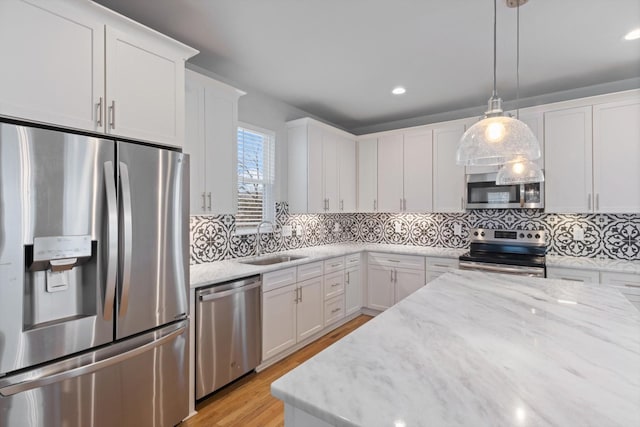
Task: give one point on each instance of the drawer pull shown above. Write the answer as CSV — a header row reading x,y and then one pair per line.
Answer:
x,y
393,260
631,286
335,265
335,284
441,265
335,310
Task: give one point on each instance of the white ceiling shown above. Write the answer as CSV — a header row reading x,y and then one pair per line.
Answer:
x,y
339,59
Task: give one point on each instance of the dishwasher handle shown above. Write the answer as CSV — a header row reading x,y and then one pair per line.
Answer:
x,y
210,296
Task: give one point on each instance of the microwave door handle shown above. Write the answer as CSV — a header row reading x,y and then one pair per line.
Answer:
x,y
112,240
127,233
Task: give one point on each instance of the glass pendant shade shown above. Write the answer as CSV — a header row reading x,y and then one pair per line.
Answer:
x,y
496,140
519,171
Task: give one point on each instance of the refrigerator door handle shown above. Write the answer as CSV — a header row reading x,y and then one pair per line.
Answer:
x,y
40,377
127,234
112,240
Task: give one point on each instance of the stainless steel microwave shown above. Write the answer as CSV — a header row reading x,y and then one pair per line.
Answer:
x,y
484,193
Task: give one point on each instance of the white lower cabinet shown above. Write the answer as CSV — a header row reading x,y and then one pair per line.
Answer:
x,y
334,277
573,274
352,285
436,267
392,278
291,311
627,283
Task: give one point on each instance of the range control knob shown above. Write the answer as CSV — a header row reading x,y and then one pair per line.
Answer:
x,y
482,234
522,235
529,236
475,233
537,236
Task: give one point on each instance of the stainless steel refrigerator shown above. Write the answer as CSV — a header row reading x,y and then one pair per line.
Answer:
x,y
93,281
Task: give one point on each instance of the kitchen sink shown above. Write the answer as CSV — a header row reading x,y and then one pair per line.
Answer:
x,y
277,259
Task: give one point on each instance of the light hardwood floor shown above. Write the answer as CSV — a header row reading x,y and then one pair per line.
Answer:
x,y
248,401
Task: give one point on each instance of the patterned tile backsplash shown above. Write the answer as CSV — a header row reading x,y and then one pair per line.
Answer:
x,y
213,238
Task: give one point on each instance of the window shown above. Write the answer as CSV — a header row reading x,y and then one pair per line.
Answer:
x,y
255,176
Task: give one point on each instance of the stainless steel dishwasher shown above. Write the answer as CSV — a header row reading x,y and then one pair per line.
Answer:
x,y
229,333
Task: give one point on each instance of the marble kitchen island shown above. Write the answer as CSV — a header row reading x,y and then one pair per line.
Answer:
x,y
477,349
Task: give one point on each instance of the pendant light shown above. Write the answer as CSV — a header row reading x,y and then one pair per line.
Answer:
x,y
497,138
519,170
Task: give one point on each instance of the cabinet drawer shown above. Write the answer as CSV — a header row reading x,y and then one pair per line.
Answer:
x,y
352,260
333,310
620,279
333,264
278,279
333,284
441,264
309,271
399,261
586,276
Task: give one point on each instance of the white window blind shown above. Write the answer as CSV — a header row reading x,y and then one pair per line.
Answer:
x,y
255,176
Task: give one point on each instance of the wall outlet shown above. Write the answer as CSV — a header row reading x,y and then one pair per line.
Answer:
x,y
457,229
286,231
397,227
336,227
578,234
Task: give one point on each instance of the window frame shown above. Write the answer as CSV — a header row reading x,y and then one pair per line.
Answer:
x,y
268,211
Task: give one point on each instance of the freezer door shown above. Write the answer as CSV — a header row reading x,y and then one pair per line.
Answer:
x,y
57,194
154,238
139,382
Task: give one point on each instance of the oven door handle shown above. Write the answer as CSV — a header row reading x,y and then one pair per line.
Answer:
x,y
501,268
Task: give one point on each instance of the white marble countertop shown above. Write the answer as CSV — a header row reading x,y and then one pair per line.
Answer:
x,y
478,349
221,271
612,265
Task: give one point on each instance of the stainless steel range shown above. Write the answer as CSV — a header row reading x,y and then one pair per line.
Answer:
x,y
518,252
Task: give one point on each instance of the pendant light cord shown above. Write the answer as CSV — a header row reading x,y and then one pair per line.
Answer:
x,y
518,61
495,26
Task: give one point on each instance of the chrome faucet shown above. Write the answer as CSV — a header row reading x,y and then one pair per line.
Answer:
x,y
258,247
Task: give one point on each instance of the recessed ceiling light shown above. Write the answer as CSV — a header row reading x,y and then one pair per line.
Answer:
x,y
633,35
398,90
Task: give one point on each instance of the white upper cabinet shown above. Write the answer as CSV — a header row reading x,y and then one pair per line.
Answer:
x,y
448,177
616,156
53,64
568,160
418,178
211,141
59,51
347,172
368,175
390,172
321,168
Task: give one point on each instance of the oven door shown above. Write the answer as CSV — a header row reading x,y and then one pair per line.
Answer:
x,y
484,193
516,270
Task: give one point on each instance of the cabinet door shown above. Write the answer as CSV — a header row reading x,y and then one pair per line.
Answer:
x,y
390,172
568,157
315,177
194,143
144,89
535,121
353,290
368,175
53,64
330,171
418,179
278,320
381,292
407,282
616,156
448,178
347,170
310,309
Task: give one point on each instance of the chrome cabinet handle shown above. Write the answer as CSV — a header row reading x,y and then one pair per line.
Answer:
x,y
112,240
99,113
597,201
209,196
391,277
335,310
300,293
400,204
589,201
375,205
393,260
203,201
395,275
217,295
348,278
335,284
112,114
462,203
404,204
341,205
127,234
